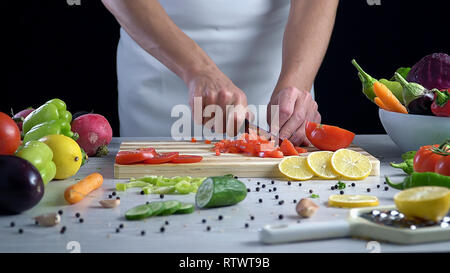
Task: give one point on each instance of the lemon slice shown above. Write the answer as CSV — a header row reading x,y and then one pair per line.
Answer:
x,y
428,203
351,164
320,164
352,201
295,167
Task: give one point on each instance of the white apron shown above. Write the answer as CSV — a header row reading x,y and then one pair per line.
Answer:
x,y
244,39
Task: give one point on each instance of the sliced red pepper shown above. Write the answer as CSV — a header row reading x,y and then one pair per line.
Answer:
x,y
132,157
161,158
187,159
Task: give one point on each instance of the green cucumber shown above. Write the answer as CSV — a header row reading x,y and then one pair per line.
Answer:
x,y
156,207
170,207
185,208
138,213
219,191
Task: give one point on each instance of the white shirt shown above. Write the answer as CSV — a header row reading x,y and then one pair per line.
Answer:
x,y
242,37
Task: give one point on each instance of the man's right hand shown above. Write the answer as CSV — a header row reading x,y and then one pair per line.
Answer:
x,y
216,89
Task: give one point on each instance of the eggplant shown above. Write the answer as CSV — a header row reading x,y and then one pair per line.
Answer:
x,y
422,104
21,185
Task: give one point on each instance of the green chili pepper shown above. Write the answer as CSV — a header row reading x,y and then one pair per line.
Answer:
x,y
421,179
409,155
407,166
54,109
52,127
395,87
367,81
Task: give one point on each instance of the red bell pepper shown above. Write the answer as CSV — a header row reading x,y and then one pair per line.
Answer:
x,y
441,103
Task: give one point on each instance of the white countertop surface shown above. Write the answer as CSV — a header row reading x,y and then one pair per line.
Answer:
x,y
186,233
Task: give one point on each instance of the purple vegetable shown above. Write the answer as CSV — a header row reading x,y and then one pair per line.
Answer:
x,y
432,71
19,117
422,104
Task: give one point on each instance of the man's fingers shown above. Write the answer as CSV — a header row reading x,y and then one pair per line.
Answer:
x,y
286,103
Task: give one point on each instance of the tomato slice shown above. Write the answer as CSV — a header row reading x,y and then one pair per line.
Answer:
x,y
187,159
132,157
326,137
287,148
161,158
300,150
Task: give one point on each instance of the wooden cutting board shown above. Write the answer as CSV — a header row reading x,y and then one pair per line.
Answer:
x,y
211,165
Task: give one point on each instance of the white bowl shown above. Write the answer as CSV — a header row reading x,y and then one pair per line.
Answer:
x,y
410,132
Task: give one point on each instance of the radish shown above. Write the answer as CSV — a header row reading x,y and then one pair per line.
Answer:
x,y
95,133
19,117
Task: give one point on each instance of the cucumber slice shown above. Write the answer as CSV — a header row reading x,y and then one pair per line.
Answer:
x,y
163,190
219,191
138,213
156,207
185,208
170,207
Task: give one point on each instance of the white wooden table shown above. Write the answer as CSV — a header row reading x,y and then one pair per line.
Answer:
x,y
187,233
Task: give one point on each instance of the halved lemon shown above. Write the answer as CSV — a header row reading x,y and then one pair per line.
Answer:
x,y
351,164
320,164
428,203
352,201
295,167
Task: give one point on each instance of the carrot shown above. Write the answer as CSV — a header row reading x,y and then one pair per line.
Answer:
x,y
388,99
380,103
78,191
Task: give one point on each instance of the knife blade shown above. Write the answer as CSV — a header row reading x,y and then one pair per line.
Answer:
x,y
261,132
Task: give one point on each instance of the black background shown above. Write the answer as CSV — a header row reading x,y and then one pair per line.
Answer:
x,y
57,50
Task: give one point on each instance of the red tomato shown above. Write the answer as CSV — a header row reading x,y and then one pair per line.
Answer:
x,y
326,137
9,135
288,148
425,160
132,157
443,166
187,159
300,150
161,158
207,141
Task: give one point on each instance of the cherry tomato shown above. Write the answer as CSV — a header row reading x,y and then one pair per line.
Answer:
x,y
425,160
326,137
132,157
161,158
9,135
187,159
287,148
443,166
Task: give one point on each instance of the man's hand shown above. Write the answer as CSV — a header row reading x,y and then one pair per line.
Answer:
x,y
295,108
215,89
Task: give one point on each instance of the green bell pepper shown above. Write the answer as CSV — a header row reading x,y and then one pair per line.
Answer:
x,y
53,127
40,156
54,109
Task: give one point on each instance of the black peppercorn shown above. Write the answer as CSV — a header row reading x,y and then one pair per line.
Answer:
x,y
270,190
378,186
289,183
117,230
161,196
332,188
353,184
121,226
276,196
81,220
142,192
248,190
368,190
341,192
246,225
162,229
143,232
114,193
203,221
12,224
260,200
63,229
20,230
208,228
280,216
110,196
386,188
220,217
60,212
257,183
272,182
274,189
294,201
117,198
252,217
299,184
263,186
166,222
281,202
310,191
77,214
257,189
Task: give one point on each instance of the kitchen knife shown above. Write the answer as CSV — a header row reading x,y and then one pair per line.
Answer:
x,y
261,132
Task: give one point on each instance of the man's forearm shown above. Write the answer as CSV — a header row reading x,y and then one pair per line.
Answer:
x,y
149,25
305,41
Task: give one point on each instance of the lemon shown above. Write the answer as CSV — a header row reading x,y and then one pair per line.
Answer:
x,y
428,203
351,164
320,164
66,155
352,201
295,167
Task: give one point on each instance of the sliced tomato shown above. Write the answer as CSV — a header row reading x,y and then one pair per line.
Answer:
x,y
193,140
300,150
207,141
287,148
187,159
132,157
161,158
326,137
